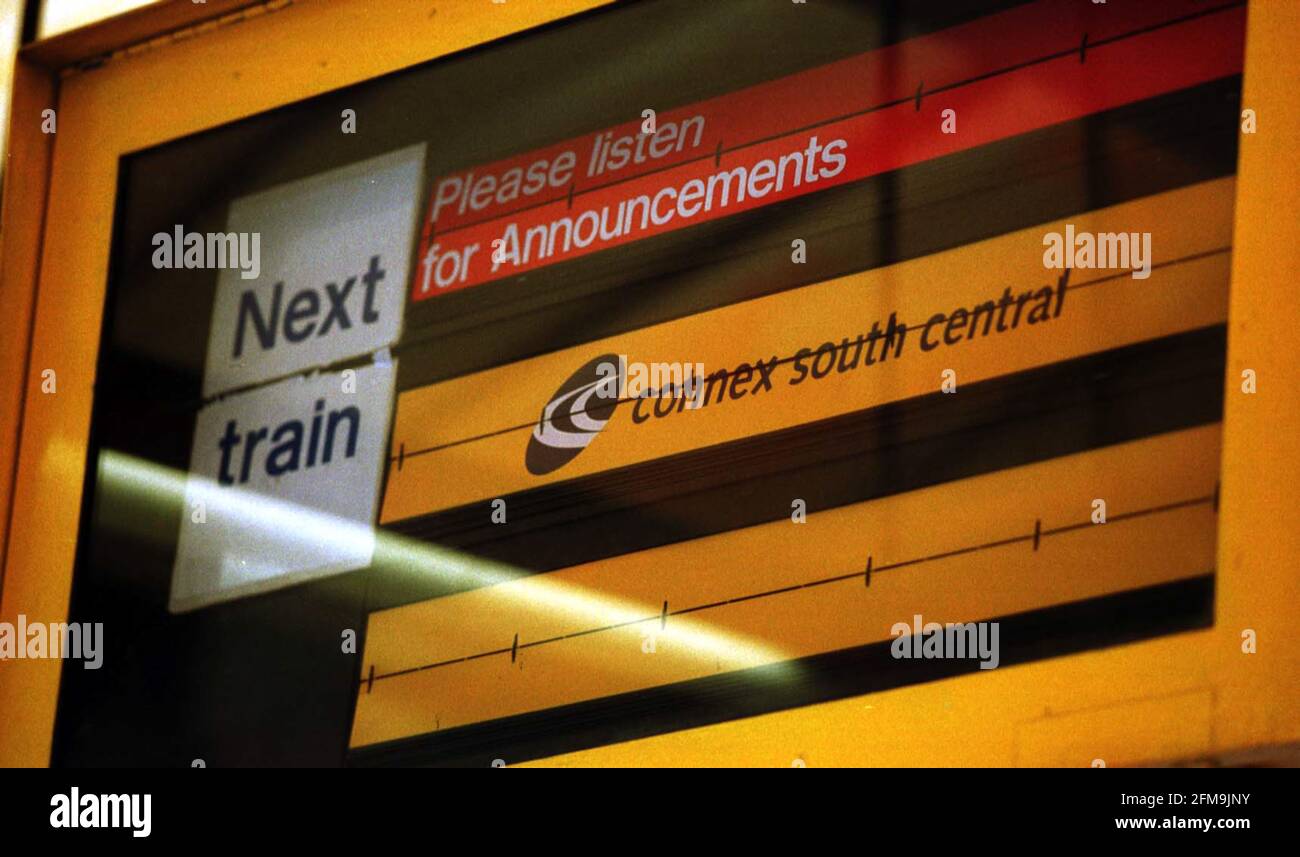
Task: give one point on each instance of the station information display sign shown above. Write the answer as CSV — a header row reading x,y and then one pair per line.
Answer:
x,y
756,380
621,419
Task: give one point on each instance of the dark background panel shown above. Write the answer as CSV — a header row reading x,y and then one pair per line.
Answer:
x,y
262,680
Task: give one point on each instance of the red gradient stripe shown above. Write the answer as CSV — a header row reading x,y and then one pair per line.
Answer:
x,y
1075,84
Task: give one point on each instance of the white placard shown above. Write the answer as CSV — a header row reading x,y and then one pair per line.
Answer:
x,y
334,258
283,485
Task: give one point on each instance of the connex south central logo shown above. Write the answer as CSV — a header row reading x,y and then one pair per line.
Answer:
x,y
574,415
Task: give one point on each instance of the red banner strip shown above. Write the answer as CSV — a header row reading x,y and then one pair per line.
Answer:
x,y
999,75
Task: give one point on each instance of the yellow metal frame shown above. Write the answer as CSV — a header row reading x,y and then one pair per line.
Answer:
x,y
1190,695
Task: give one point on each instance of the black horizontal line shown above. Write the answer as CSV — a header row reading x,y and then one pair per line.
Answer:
x,y
1118,618
407,454
570,194
854,575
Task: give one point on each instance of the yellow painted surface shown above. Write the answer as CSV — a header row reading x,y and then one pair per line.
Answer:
x,y
1259,537
1128,732
20,231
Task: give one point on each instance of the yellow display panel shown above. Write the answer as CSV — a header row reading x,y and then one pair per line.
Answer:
x,y
1190,695
466,439
959,552
1195,697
